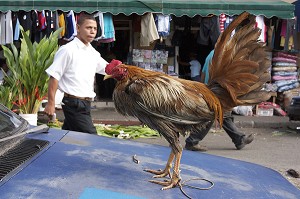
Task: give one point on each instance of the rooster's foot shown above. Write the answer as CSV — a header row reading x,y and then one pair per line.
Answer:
x,y
167,184
159,173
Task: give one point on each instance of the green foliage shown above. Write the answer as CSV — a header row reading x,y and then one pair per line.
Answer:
x,y
7,96
126,132
28,77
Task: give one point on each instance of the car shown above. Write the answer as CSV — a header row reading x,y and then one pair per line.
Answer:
x,y
293,110
42,162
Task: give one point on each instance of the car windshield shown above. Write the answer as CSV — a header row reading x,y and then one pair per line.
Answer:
x,y
10,122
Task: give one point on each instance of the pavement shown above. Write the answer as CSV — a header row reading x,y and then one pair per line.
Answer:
x,y
105,113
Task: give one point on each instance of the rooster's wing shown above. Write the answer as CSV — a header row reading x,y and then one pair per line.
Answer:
x,y
164,98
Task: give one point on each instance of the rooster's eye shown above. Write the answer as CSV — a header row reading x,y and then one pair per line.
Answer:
x,y
125,69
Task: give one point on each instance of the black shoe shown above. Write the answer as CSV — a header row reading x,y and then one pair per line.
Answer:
x,y
246,140
196,147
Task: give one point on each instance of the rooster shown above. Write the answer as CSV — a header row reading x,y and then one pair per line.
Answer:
x,y
174,106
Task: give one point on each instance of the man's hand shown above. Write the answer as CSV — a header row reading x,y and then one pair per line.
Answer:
x,y
52,88
50,109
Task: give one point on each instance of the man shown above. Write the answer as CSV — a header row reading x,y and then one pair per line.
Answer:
x,y
72,72
238,138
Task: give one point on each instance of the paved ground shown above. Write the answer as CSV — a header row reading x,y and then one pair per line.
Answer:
x,y
276,144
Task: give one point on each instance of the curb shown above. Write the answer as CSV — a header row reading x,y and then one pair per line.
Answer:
x,y
105,113
295,125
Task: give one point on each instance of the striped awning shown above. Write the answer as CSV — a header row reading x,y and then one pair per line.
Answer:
x,y
190,8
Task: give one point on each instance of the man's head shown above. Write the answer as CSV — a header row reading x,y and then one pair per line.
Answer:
x,y
86,28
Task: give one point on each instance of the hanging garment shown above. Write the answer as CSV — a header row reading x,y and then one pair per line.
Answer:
x,y
56,23
62,24
25,20
270,33
222,19
148,30
71,26
42,20
35,30
109,30
277,31
49,22
163,24
6,30
100,25
287,32
16,26
209,30
260,23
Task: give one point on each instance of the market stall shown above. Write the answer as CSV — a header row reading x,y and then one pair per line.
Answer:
x,y
183,20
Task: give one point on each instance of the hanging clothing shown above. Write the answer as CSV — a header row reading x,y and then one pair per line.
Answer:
x,y
49,23
222,20
16,26
62,24
260,23
42,20
6,28
71,26
209,30
286,33
56,23
100,25
148,30
25,20
163,24
35,29
109,30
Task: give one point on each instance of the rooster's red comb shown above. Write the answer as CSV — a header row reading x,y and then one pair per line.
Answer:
x,y
111,65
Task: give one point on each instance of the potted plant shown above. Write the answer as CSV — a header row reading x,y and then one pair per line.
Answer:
x,y
28,80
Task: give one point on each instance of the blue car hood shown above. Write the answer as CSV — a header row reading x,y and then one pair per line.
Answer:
x,y
79,165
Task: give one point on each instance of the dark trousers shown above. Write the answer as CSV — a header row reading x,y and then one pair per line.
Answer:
x,y
228,126
77,114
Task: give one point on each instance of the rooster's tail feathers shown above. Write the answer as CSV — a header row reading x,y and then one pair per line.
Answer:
x,y
239,66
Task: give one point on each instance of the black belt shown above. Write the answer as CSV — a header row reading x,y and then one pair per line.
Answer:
x,y
76,97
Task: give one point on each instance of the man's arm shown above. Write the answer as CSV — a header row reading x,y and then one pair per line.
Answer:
x,y
182,62
52,88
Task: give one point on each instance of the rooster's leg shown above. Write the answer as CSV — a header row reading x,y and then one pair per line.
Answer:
x,y
167,171
175,179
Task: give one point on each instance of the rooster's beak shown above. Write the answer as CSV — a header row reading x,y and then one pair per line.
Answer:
x,y
107,77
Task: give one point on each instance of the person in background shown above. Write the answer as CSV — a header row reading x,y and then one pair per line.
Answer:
x,y
239,139
72,72
194,65
205,71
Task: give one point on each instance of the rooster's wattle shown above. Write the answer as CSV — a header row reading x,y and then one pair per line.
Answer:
x,y
174,106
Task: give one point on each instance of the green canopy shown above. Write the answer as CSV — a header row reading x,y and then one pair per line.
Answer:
x,y
190,8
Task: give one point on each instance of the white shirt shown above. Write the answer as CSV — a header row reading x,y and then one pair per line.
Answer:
x,y
74,66
195,68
